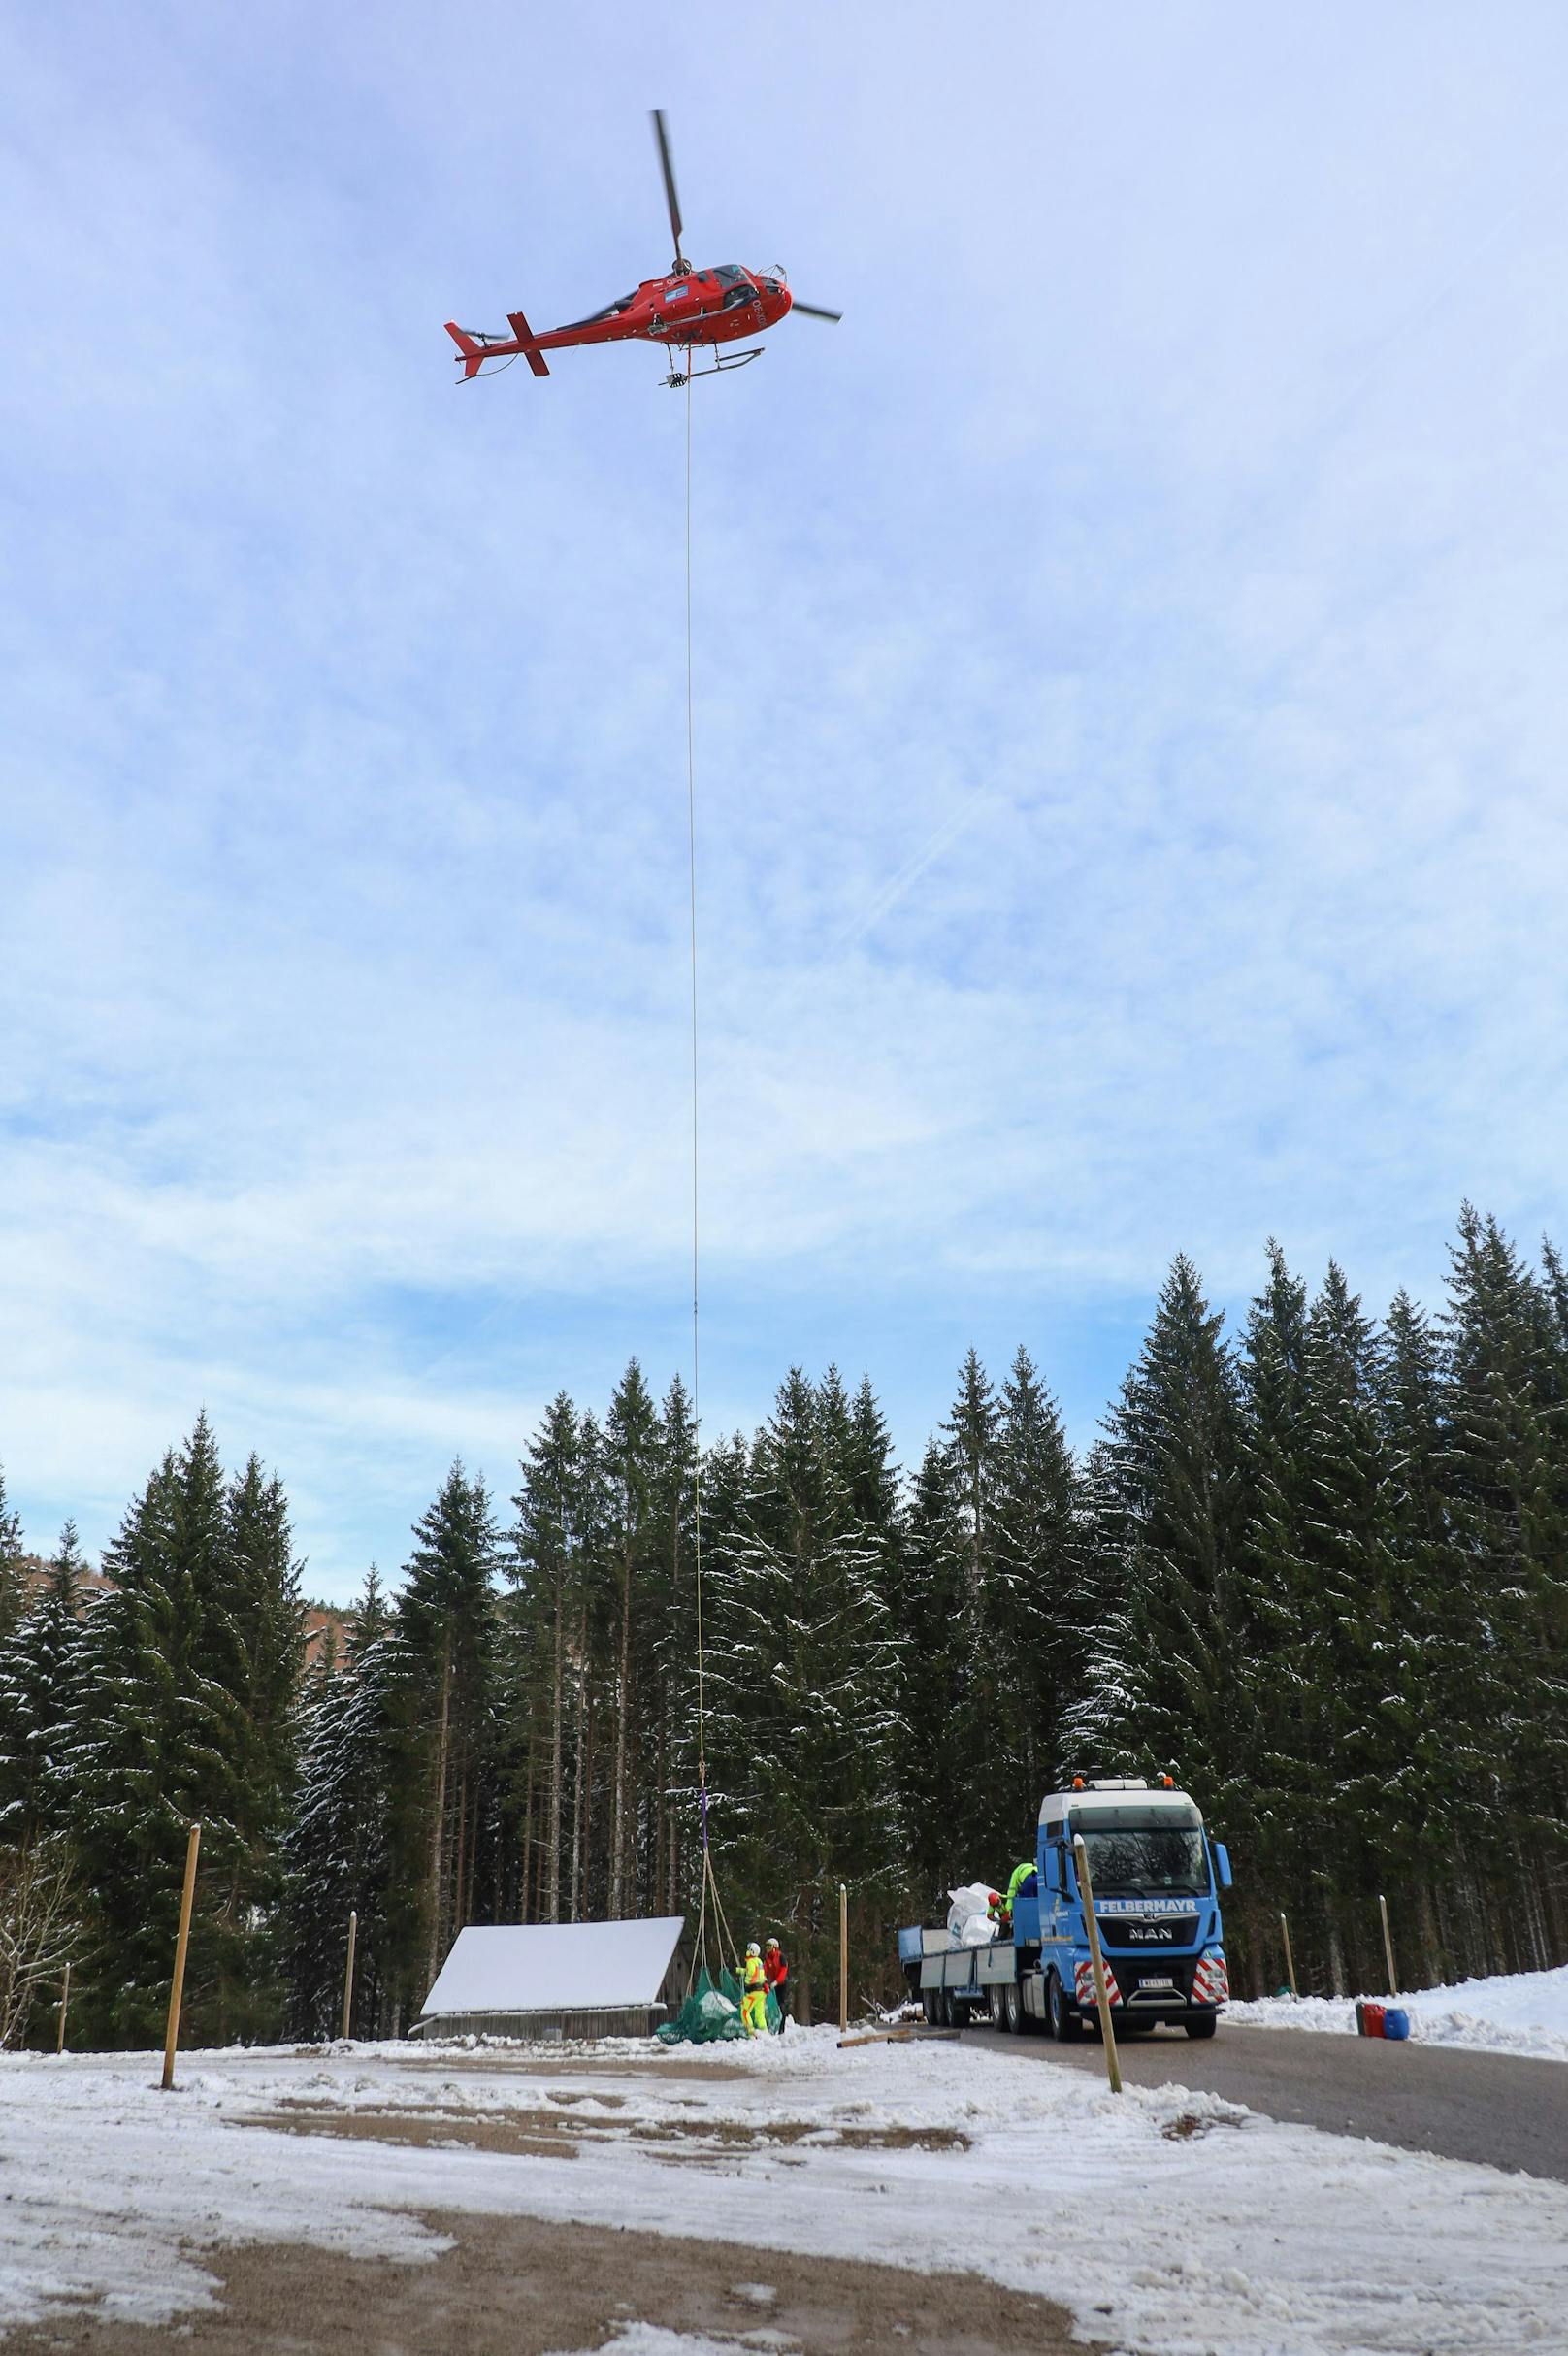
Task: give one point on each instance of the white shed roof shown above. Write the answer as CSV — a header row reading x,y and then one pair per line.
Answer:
x,y
555,1967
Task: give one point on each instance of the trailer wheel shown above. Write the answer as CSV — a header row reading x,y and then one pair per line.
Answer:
x,y
1202,2028
1060,2020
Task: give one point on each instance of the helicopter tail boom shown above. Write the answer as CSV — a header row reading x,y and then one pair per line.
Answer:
x,y
477,349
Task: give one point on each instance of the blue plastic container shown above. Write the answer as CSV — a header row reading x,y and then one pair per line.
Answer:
x,y
1396,2022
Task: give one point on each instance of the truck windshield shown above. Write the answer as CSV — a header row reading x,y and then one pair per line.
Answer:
x,y
1139,1852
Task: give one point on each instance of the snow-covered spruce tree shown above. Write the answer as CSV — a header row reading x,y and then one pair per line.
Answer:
x,y
935,1665
803,1685
250,1654
1443,1773
668,1644
163,1738
12,1592
1168,1516
546,1563
349,1833
970,1433
1350,1810
631,1462
1263,1809
1507,1475
38,1704
971,1428
447,1618
1031,1632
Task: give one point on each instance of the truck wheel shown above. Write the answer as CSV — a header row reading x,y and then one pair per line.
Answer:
x,y
999,2007
1061,2021
1202,2028
929,2005
1012,2008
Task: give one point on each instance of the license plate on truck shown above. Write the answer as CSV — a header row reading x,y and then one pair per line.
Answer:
x,y
1147,1982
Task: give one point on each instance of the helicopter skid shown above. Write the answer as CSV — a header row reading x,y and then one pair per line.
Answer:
x,y
720,363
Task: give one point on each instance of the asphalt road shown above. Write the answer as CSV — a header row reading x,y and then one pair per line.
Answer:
x,y
1496,2107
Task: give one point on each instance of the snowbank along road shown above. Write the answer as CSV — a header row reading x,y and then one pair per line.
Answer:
x,y
1492,2108
1167,2223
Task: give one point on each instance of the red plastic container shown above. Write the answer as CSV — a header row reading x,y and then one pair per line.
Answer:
x,y
1370,2018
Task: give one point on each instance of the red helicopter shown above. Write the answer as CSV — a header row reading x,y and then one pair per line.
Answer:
x,y
686,309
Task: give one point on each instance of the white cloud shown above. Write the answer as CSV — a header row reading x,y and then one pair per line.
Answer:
x,y
1128,728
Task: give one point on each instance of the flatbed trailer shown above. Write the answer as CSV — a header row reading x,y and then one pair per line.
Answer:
x,y
1157,1878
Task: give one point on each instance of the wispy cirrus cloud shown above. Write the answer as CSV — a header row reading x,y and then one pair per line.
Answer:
x,y
1129,745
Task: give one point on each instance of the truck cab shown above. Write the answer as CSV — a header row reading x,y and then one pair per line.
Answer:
x,y
1157,1879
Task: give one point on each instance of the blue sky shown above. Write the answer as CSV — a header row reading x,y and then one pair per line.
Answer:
x,y
1130,716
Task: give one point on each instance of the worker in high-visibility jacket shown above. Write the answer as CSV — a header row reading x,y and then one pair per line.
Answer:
x,y
1024,1883
754,1994
776,1972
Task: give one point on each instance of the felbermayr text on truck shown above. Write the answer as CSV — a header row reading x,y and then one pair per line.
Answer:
x,y
1157,1878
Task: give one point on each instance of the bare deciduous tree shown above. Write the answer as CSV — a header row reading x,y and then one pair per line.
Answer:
x,y
38,1928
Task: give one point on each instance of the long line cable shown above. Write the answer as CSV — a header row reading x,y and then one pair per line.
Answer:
x,y
697,1359
710,1886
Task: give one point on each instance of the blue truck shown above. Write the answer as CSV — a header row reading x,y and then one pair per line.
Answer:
x,y
1156,1876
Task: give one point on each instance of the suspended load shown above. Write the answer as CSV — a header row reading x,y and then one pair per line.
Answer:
x,y
711,2013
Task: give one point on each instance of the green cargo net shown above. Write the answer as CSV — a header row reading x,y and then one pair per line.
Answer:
x,y
711,2013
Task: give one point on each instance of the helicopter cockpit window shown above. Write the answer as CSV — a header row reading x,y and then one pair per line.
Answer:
x,y
738,287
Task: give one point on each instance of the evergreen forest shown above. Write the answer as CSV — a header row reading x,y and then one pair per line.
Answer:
x,y
1317,1568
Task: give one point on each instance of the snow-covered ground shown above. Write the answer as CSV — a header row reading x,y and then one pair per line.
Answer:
x,y
1167,2221
1517,2012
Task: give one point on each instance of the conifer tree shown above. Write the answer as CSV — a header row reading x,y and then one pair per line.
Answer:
x,y
632,1449
1506,1467
1160,1688
38,1704
164,1738
935,1665
12,1592
351,1835
547,1565
1346,1602
1273,1683
1030,1635
803,1679
972,1427
447,1621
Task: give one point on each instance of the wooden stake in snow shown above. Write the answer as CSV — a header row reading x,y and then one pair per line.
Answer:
x,y
1388,1943
65,1999
1289,1960
1102,1999
176,1992
844,1957
349,1972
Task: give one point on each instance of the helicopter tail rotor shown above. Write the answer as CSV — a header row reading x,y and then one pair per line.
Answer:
x,y
476,350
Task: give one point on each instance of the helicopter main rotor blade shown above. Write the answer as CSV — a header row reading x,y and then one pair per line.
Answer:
x,y
814,310
661,135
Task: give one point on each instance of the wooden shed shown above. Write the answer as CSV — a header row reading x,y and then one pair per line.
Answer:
x,y
556,1980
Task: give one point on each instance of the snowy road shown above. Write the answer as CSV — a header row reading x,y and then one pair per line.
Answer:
x,y
1168,2223
1494,2108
